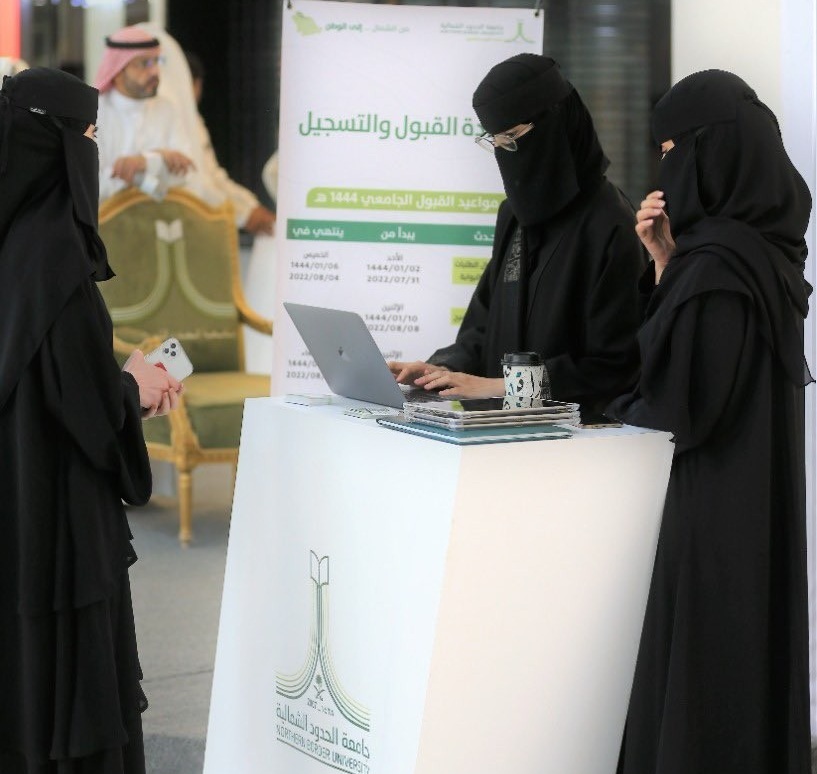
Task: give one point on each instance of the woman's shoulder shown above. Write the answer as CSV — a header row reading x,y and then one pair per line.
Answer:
x,y
704,270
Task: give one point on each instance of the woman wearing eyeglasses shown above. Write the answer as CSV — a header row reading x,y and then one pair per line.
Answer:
x,y
721,682
562,279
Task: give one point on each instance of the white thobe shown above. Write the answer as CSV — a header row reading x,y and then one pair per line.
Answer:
x,y
130,127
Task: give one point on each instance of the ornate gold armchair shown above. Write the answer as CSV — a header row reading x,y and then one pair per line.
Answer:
x,y
177,275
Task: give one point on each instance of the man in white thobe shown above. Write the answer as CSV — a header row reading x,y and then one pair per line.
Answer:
x,y
142,142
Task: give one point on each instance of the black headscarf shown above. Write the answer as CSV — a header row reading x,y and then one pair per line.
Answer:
x,y
730,189
49,183
561,156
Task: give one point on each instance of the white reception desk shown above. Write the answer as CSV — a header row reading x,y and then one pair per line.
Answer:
x,y
399,605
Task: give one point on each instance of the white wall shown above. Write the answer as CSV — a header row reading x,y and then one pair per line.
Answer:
x,y
771,44
100,19
736,35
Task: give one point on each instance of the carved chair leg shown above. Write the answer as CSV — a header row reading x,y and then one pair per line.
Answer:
x,y
185,507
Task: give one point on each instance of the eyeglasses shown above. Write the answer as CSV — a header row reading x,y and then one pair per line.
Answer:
x,y
504,140
145,63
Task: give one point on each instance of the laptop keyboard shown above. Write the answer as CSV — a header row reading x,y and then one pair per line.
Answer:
x,y
419,395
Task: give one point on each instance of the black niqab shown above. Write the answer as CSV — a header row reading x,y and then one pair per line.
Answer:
x,y
731,189
560,157
721,680
48,208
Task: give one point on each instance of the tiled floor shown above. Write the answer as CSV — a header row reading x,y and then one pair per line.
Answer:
x,y
177,595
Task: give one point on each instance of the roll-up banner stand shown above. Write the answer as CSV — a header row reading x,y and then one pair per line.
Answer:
x,y
386,204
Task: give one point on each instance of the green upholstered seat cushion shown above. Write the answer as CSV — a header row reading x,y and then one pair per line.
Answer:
x,y
215,404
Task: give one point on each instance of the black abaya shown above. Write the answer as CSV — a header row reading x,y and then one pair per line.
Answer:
x,y
577,307
721,681
565,263
71,448
721,684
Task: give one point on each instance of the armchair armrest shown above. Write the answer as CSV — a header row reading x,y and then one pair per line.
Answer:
x,y
254,320
246,314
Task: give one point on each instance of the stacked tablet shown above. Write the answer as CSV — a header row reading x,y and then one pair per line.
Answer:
x,y
487,420
493,412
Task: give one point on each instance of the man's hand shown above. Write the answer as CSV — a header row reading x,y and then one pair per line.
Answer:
x,y
176,162
158,390
652,227
127,167
260,221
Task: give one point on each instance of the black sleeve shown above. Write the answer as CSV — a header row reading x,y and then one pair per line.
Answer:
x,y
698,375
607,362
646,287
95,402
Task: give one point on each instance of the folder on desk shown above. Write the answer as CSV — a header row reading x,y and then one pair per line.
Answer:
x,y
476,434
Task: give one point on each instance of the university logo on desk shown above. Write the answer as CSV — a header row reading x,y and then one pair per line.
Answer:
x,y
316,715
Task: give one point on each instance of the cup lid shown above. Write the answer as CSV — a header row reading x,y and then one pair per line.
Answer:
x,y
521,358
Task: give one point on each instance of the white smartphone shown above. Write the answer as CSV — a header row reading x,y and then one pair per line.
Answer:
x,y
171,356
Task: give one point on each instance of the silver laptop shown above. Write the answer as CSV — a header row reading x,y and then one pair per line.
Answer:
x,y
348,357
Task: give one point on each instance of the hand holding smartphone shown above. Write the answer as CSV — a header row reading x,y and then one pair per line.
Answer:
x,y
171,356
159,393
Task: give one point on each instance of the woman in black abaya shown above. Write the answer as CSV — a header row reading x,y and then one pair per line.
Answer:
x,y
565,263
721,682
71,448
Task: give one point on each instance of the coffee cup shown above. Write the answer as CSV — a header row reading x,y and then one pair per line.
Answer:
x,y
524,373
